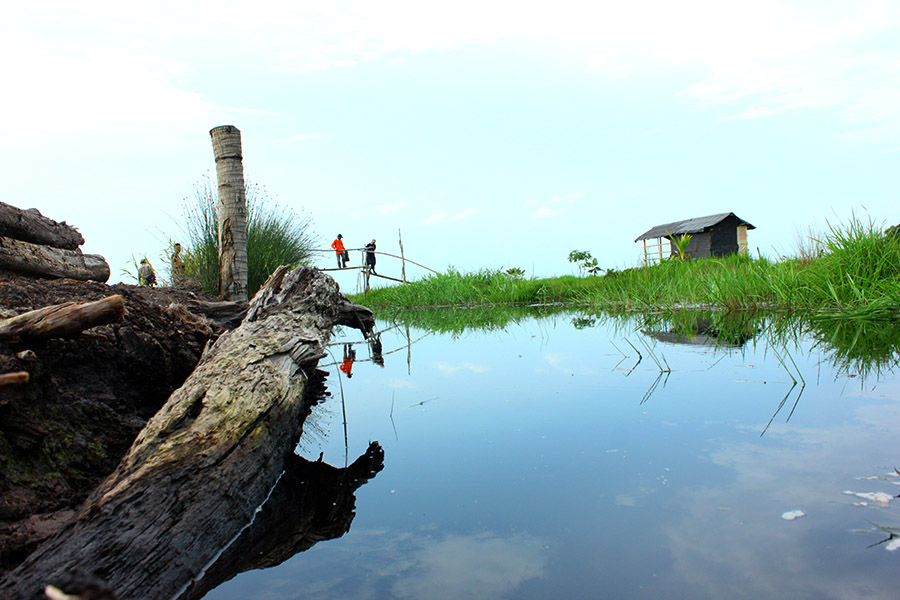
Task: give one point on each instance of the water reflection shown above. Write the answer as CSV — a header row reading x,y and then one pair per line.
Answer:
x,y
312,502
529,461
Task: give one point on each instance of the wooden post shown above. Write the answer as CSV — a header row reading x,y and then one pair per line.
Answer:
x,y
232,212
402,259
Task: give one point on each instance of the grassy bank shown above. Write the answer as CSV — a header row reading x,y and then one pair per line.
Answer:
x,y
856,272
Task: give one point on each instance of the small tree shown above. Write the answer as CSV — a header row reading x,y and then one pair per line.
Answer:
x,y
586,263
681,243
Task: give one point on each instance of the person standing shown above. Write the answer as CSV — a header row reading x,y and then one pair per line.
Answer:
x,y
370,256
340,251
178,267
347,364
146,274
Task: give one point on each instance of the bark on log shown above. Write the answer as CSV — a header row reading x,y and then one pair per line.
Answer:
x,y
44,261
62,320
31,226
196,474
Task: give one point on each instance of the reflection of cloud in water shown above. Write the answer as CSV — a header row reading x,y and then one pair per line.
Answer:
x,y
730,542
400,384
451,369
482,566
370,564
626,500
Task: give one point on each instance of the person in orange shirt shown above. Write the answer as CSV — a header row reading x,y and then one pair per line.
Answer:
x,y
349,356
343,257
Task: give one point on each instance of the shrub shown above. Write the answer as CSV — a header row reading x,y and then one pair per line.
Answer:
x,y
275,236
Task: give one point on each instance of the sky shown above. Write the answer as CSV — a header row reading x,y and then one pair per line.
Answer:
x,y
485,135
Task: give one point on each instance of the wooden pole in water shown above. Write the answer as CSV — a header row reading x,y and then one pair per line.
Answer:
x,y
232,212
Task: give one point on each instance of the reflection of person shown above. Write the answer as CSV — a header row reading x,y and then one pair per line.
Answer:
x,y
376,348
177,264
349,357
370,255
146,274
343,257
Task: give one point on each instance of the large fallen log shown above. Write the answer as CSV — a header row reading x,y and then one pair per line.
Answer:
x,y
43,261
31,226
196,474
62,320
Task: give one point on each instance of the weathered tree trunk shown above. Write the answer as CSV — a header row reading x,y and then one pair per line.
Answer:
x,y
232,212
62,320
33,259
195,475
32,226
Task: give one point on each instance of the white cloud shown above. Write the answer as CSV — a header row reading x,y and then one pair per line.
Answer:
x,y
439,217
758,59
304,137
385,209
556,206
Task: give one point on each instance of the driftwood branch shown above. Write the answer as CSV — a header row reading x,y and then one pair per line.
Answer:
x,y
43,261
195,475
8,380
32,226
62,320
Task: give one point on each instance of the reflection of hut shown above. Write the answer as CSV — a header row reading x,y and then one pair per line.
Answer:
x,y
705,333
715,235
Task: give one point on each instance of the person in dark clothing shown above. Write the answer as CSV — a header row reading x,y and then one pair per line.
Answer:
x,y
370,256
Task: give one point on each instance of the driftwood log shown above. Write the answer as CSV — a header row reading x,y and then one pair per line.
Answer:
x,y
62,320
31,226
44,261
8,380
196,474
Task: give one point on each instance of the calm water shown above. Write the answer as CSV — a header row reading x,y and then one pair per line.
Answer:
x,y
548,461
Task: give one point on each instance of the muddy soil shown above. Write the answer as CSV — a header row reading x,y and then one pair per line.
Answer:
x,y
88,396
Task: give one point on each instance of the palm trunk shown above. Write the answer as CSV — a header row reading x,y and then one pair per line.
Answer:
x,y
232,213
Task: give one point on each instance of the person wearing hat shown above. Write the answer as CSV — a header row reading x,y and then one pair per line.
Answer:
x,y
146,274
342,256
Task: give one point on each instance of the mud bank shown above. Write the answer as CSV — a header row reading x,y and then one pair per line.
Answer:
x,y
88,396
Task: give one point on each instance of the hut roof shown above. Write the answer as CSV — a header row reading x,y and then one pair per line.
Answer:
x,y
689,226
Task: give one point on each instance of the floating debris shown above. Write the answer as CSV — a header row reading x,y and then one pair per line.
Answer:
x,y
793,514
879,498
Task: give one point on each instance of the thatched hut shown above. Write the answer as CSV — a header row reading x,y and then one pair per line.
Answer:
x,y
716,235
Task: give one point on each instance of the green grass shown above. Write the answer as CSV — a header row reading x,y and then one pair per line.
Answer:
x,y
856,274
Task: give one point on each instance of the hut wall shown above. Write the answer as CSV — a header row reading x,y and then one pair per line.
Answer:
x,y
698,247
725,237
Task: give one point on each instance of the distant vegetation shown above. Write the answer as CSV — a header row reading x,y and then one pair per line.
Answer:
x,y
275,236
855,272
